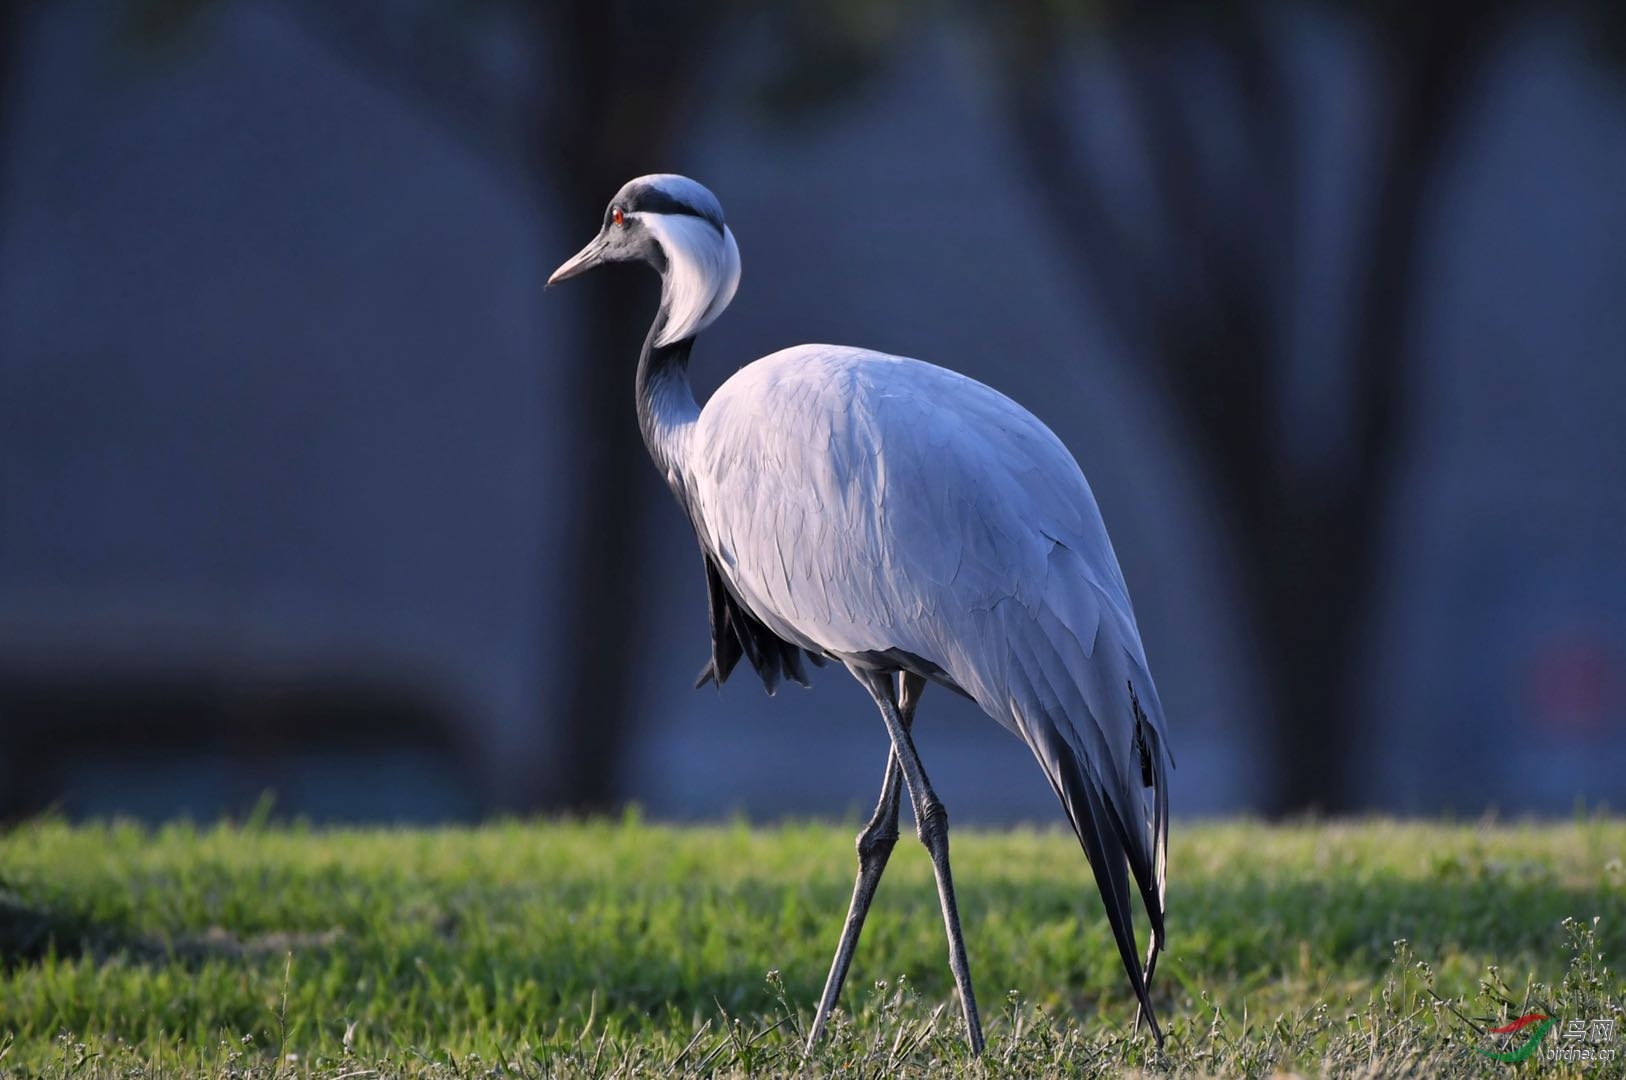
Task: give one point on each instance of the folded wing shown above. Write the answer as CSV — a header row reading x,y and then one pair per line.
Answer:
x,y
882,510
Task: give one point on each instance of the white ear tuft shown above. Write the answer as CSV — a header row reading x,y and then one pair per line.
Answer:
x,y
702,272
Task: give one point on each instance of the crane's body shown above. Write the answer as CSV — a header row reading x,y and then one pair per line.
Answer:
x,y
913,525
865,505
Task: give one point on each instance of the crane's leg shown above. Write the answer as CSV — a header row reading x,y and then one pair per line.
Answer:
x,y
875,843
931,824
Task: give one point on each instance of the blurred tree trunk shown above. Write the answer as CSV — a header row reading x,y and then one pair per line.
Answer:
x,y
14,29
613,83
1307,539
623,80
1326,570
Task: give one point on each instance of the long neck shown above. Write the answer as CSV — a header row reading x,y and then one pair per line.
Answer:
x,y
666,406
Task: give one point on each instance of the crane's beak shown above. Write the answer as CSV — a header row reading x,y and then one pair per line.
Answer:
x,y
581,262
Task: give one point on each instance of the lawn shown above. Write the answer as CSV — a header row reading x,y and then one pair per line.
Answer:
x,y
626,948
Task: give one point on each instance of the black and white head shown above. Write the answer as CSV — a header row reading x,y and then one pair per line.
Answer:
x,y
676,226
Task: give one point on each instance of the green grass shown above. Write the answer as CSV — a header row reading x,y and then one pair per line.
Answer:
x,y
622,948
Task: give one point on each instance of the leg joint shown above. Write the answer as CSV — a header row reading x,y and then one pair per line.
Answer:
x,y
876,842
932,822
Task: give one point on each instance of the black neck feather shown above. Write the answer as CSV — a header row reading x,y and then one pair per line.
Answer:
x,y
666,403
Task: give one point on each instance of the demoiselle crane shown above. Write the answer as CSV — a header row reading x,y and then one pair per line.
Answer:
x,y
917,527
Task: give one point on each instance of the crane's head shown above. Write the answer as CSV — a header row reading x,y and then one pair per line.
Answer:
x,y
676,226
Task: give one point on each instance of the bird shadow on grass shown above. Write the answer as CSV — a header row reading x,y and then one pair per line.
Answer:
x,y
29,934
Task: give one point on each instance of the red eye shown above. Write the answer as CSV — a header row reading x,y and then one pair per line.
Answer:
x,y
618,217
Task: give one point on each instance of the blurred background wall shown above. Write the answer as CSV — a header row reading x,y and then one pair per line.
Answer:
x,y
307,487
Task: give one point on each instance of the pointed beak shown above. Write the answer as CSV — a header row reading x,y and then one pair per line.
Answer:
x,y
579,263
